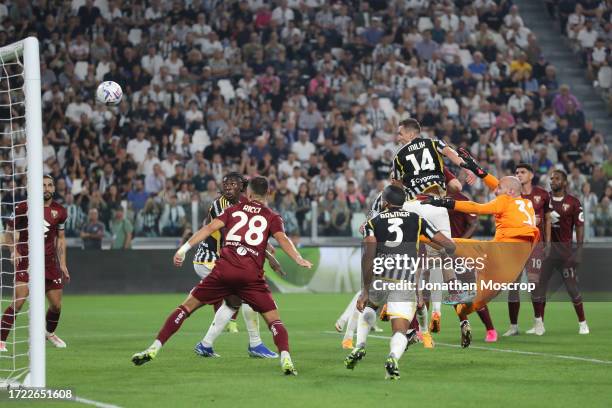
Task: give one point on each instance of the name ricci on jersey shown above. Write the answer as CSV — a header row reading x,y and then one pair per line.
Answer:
x,y
251,209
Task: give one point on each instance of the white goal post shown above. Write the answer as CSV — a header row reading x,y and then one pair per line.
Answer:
x,y
25,54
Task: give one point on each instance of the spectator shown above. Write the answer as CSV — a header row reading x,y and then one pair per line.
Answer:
x,y
138,196
121,230
303,148
314,71
155,181
563,99
139,147
172,221
93,231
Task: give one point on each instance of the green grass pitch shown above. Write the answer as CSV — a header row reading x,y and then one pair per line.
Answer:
x,y
103,332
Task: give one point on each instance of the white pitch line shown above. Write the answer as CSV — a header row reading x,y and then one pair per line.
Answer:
x,y
94,403
526,353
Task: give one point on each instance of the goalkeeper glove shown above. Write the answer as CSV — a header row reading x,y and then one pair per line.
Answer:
x,y
439,202
470,164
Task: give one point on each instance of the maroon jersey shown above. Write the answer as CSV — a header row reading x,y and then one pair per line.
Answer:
x,y
541,206
448,175
248,226
459,221
566,214
54,218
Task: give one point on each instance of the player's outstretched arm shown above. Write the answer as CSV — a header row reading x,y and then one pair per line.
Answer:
x,y
274,264
469,163
201,235
287,246
492,207
445,242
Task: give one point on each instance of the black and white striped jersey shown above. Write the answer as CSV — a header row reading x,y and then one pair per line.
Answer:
x,y
397,233
376,207
419,165
208,250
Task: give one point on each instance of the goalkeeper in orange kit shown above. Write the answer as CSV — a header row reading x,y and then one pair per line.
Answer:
x,y
504,257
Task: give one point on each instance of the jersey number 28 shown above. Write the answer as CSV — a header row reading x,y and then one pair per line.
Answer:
x,y
254,235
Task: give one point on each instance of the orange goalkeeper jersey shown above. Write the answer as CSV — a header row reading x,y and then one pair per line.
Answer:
x,y
514,217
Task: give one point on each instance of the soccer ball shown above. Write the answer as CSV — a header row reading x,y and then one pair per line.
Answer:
x,y
109,93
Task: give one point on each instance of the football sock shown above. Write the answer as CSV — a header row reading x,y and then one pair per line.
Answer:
x,y
222,318
283,356
485,317
367,319
421,314
350,308
251,321
513,311
414,323
52,320
579,311
351,325
436,307
156,345
217,305
173,323
280,336
7,323
398,344
538,309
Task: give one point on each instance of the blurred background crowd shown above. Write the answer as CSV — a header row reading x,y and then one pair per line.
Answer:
x,y
305,92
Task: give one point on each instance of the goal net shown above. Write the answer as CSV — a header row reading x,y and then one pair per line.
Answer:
x,y
22,359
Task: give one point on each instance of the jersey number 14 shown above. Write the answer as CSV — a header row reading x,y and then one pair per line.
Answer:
x,y
427,162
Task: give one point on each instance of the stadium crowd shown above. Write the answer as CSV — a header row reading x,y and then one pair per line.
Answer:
x,y
587,25
305,92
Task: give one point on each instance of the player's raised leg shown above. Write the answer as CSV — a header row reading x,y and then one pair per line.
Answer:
x,y
54,296
8,317
172,324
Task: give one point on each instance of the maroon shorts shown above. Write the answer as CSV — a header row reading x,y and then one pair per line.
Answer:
x,y
225,280
50,271
533,267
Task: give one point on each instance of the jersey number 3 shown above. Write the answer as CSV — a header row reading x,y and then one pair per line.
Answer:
x,y
427,162
254,235
395,226
521,207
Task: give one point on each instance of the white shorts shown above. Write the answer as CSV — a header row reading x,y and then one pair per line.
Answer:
x,y
436,216
400,303
203,269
